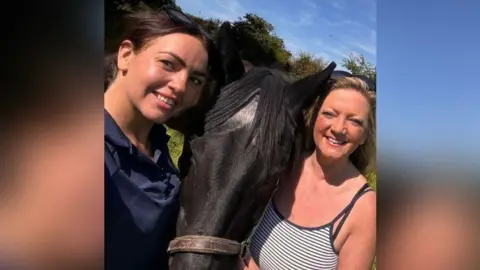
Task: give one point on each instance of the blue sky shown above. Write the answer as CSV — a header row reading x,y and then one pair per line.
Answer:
x,y
330,29
428,105
428,79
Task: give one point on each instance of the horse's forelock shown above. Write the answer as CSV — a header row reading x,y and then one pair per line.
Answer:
x,y
233,97
272,123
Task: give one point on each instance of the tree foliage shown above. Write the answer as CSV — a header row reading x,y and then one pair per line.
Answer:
x,y
306,63
257,40
258,43
358,65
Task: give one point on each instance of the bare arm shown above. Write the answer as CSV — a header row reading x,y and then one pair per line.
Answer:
x,y
358,251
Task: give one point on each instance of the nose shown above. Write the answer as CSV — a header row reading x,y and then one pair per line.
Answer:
x,y
178,82
338,126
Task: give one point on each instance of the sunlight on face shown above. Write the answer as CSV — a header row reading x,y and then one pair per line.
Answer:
x,y
342,123
166,77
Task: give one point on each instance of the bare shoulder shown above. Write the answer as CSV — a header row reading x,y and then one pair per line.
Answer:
x,y
358,250
364,213
367,204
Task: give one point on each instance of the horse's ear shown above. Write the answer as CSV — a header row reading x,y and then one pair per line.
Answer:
x,y
226,40
304,91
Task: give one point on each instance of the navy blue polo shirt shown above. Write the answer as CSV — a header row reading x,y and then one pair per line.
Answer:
x,y
141,200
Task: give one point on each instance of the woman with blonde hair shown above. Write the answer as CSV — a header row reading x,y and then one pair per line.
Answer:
x,y
324,217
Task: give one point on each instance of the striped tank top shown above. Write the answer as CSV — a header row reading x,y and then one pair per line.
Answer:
x,y
278,244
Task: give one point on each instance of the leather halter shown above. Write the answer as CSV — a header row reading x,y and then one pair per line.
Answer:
x,y
206,245
203,244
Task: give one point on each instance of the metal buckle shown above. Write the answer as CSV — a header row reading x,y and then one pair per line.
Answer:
x,y
244,249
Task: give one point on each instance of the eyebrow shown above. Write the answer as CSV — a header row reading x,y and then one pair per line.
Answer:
x,y
182,62
350,115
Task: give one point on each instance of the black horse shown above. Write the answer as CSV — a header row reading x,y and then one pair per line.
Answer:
x,y
248,136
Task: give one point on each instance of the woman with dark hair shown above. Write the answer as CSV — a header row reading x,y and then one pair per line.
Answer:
x,y
325,216
161,69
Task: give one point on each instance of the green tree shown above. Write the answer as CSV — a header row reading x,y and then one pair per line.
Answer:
x,y
358,65
210,25
306,63
258,43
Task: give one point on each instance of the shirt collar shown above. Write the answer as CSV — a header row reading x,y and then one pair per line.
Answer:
x,y
158,135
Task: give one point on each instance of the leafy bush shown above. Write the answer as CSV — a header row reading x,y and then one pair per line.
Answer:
x,y
175,145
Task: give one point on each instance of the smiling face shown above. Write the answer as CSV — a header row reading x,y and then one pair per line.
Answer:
x,y
342,123
165,77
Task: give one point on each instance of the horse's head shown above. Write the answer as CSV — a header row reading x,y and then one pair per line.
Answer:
x,y
252,134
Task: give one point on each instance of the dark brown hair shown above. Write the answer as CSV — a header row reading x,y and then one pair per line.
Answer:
x,y
144,26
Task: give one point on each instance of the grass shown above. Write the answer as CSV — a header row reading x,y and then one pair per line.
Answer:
x,y
176,144
372,180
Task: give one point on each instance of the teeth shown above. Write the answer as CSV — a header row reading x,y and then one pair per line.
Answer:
x,y
333,141
166,100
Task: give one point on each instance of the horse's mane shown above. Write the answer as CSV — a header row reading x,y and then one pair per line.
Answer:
x,y
233,97
269,123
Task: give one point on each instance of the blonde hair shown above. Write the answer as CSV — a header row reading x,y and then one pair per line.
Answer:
x,y
364,157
